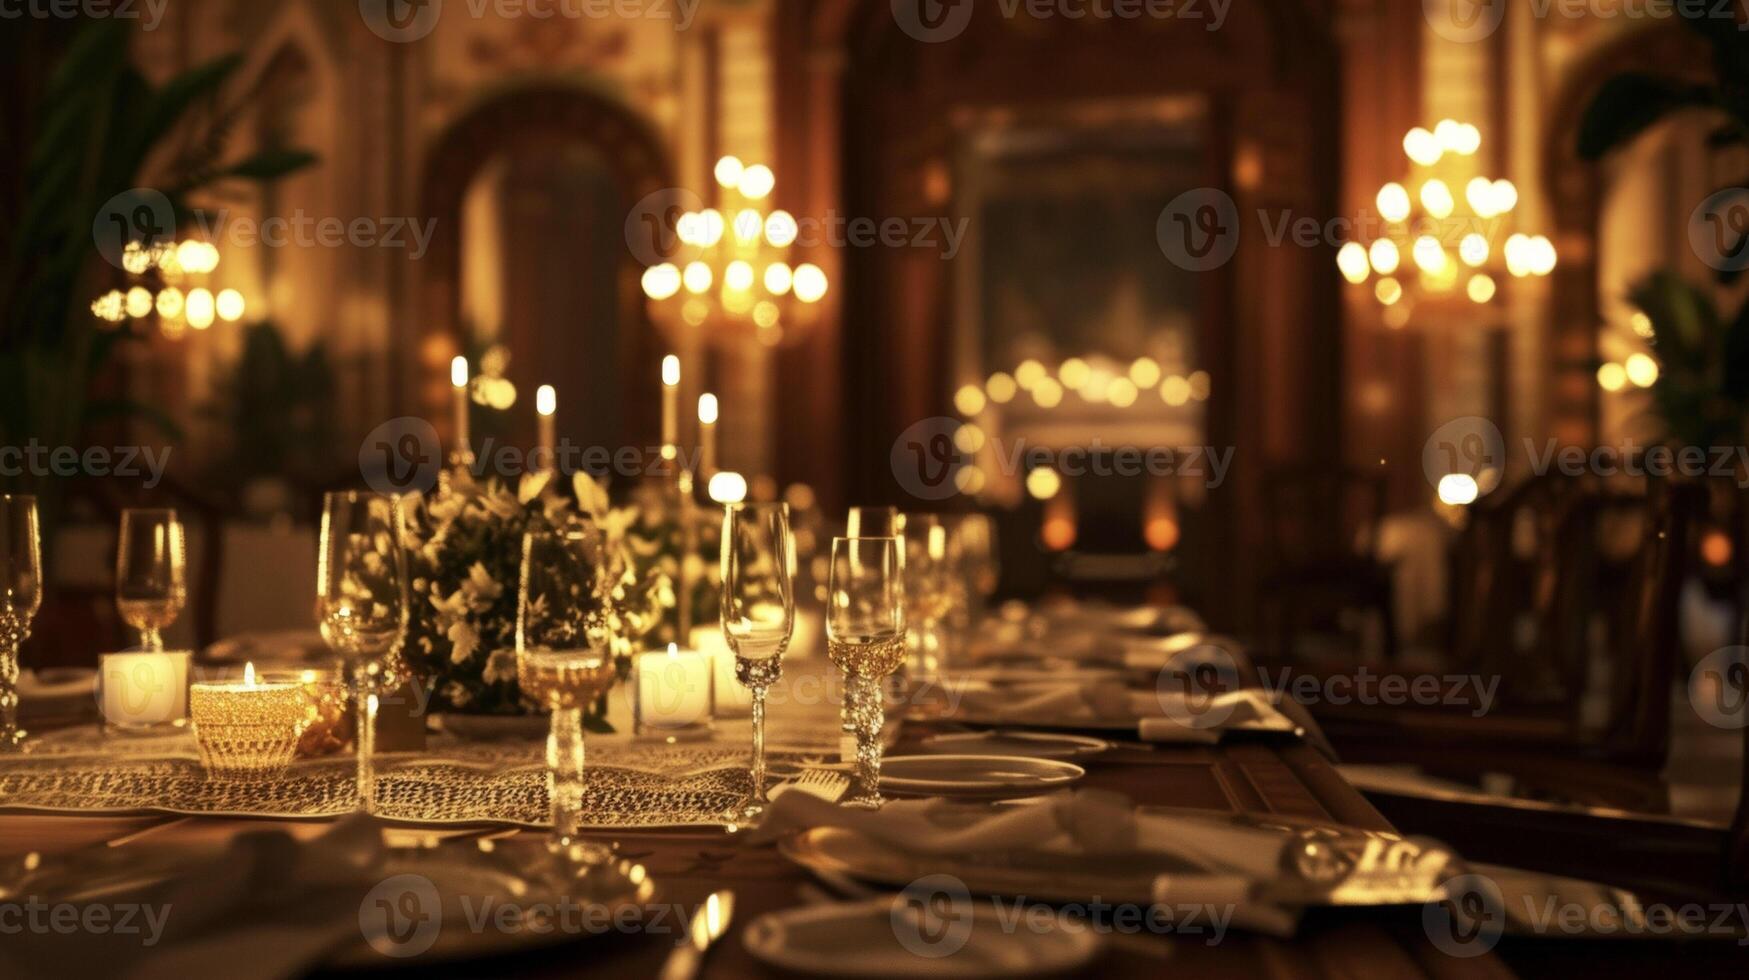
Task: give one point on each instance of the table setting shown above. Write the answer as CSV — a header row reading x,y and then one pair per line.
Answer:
x,y
327,793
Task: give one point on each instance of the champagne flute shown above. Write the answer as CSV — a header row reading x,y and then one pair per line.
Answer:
x,y
759,611
150,582
874,522
361,604
929,594
865,637
564,661
21,579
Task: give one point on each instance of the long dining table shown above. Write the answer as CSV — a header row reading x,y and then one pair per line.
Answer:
x,y
1280,778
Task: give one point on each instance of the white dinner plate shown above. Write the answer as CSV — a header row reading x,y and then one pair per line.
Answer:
x,y
1036,745
981,776
888,937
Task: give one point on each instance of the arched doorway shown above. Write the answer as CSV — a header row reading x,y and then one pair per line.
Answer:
x,y
530,191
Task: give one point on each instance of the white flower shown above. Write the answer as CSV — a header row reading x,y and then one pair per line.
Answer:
x,y
500,666
464,641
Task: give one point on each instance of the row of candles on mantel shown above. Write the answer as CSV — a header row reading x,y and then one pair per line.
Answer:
x,y
724,487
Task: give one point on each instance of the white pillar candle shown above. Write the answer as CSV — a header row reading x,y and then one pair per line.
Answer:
x,y
674,690
707,434
732,699
144,690
546,402
670,406
458,379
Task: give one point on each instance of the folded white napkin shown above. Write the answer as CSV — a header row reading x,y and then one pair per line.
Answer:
x,y
1233,863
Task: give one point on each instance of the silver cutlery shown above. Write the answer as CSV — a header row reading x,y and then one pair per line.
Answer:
x,y
823,783
709,923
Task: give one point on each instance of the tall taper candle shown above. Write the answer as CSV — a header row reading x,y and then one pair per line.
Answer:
x,y
707,434
670,406
458,379
546,402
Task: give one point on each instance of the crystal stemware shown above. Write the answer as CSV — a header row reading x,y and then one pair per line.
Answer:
x,y
759,611
150,583
564,661
361,605
865,637
930,596
21,582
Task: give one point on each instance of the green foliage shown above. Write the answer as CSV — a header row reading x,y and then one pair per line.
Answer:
x,y
96,124
1702,392
278,410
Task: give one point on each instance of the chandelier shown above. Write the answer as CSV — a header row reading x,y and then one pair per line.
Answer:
x,y
1439,245
169,284
733,269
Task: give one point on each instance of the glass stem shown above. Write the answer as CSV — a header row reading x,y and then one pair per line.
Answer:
x,y
866,701
10,736
151,639
565,775
365,738
759,745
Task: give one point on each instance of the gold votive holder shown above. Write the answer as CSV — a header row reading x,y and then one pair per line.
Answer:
x,y
247,728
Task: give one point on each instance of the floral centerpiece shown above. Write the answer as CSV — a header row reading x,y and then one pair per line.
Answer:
x,y
466,557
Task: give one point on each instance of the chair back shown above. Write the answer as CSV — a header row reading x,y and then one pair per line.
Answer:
x,y
1321,515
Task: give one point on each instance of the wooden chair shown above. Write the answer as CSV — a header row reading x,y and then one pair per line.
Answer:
x,y
1538,730
1323,535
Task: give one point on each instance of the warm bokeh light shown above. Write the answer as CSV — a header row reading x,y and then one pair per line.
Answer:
x,y
1029,373
1458,489
1641,370
1175,391
729,170
1388,291
1122,393
1145,372
749,225
458,372
1481,288
707,408
139,302
1641,324
1385,257
969,400
1436,198
757,181
170,303
1199,385
1001,388
1715,548
1393,202
1047,393
1422,147
1429,255
1058,533
1612,377
661,281
1074,373
1161,533
671,370
727,487
230,305
1043,483
738,276
779,278
1473,249
809,283
546,400
781,229
1351,260
968,439
698,277
198,308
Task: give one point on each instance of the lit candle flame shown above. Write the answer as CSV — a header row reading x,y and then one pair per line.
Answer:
x,y
707,408
671,370
249,674
673,651
458,372
546,400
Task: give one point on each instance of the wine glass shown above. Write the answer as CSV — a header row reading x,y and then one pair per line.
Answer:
x,y
976,544
865,637
929,593
361,604
874,522
21,578
759,610
150,583
564,661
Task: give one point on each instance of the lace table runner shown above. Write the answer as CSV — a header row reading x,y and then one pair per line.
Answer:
x,y
629,784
